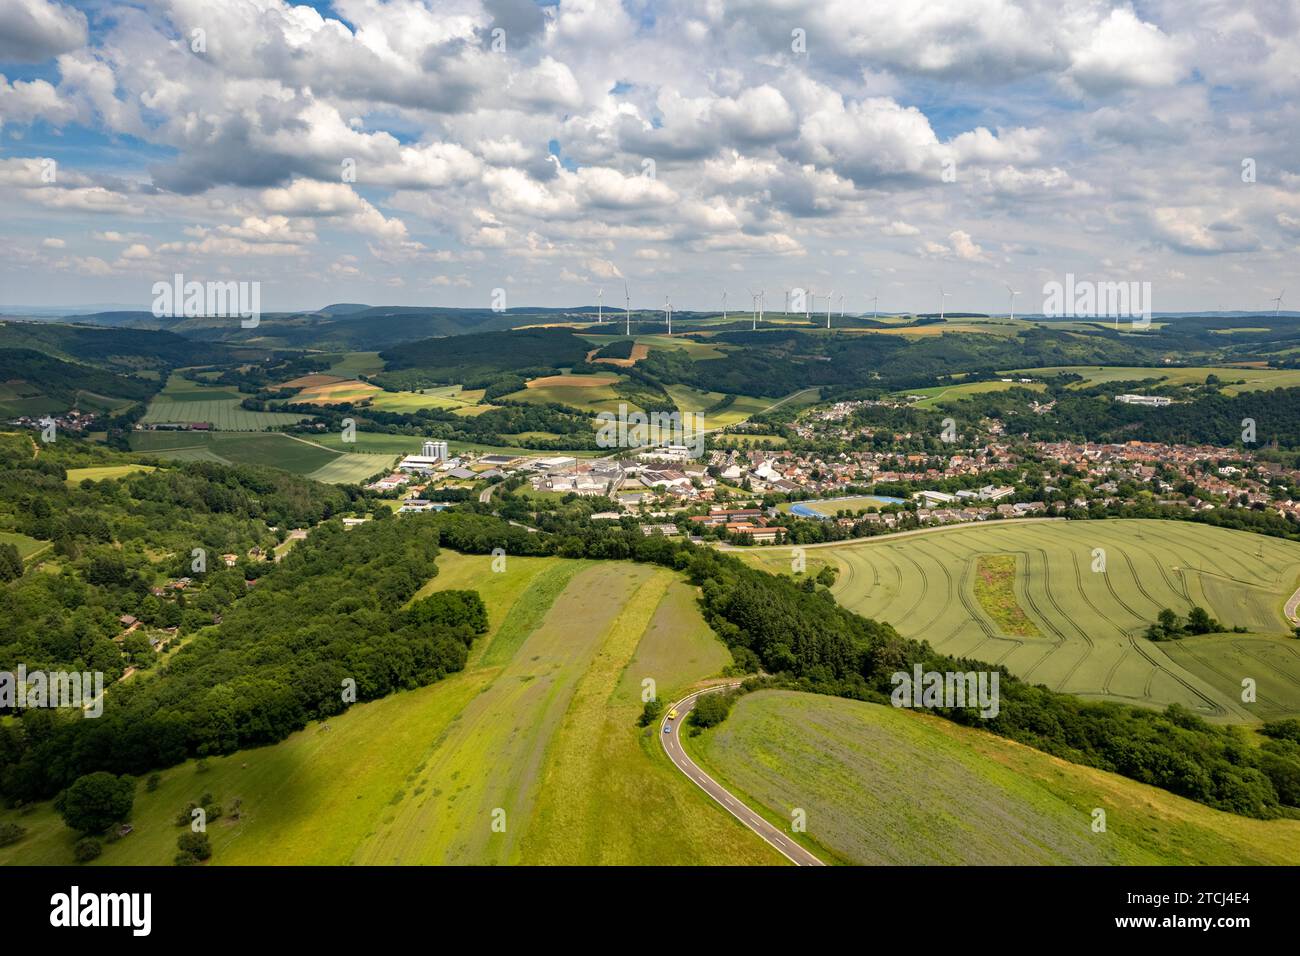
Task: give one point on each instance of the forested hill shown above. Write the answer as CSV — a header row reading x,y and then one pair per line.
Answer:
x,y
264,646
116,349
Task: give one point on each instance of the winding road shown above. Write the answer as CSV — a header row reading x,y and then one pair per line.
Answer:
x,y
677,754
1290,610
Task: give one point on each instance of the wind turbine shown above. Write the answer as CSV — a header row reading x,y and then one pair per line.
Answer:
x,y
942,295
1277,303
841,305
753,302
1014,293
830,299
875,301
724,305
600,315
627,307
668,314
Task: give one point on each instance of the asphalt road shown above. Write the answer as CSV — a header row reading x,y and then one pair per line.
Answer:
x,y
673,747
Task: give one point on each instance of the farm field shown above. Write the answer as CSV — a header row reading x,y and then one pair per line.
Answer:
x,y
1092,623
185,401
951,393
594,393
693,400
101,472
381,443
1255,378
352,364
882,785
275,449
541,724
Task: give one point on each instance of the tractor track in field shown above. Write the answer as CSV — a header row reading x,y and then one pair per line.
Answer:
x,y
925,583
968,601
1272,667
1047,588
1178,588
1078,581
1156,668
1137,579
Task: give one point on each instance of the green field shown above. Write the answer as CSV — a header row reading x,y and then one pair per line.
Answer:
x,y
184,401
301,456
576,391
1092,623
1254,378
540,725
452,397
380,443
881,785
693,400
951,393
351,364
832,506
27,547
99,473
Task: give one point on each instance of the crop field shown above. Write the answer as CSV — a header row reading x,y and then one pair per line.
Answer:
x,y
1092,623
594,393
1254,378
100,472
312,459
333,391
694,400
451,397
185,401
541,726
381,443
882,785
951,393
352,364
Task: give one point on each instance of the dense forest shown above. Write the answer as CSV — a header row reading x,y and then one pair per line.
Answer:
x,y
328,626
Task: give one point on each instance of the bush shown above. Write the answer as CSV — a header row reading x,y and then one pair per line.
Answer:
x,y
96,801
712,709
151,784
87,850
650,712
11,833
196,845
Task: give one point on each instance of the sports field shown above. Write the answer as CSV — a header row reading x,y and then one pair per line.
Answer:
x,y
830,507
1091,622
881,785
185,401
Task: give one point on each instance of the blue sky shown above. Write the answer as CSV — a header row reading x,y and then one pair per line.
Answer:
x,y
413,151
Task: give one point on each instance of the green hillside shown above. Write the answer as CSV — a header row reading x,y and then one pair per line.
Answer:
x,y
881,785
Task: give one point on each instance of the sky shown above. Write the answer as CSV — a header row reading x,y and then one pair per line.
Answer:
x,y
420,152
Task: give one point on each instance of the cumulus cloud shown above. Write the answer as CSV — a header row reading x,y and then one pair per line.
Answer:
x,y
409,133
32,31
